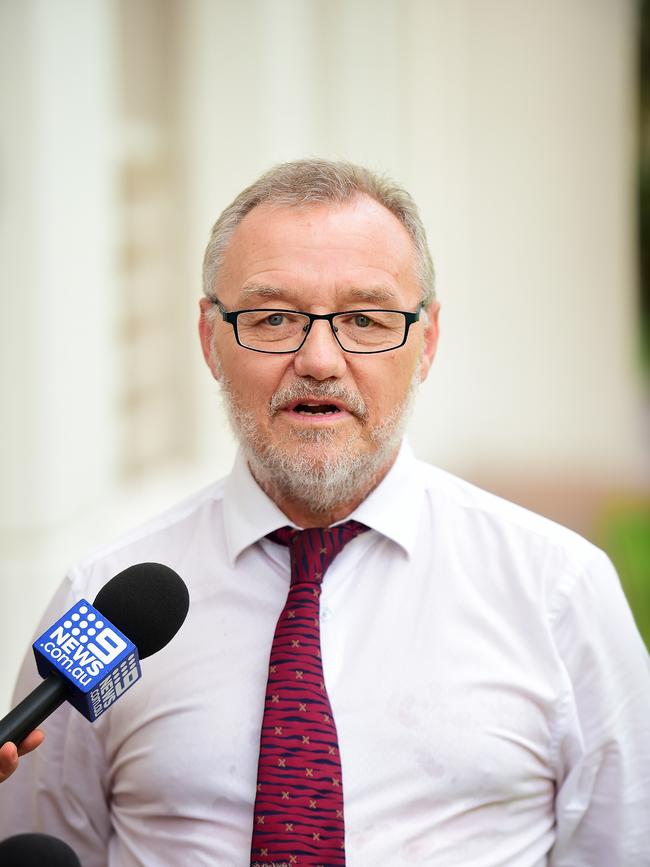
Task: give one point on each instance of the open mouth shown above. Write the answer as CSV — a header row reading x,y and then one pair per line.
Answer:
x,y
316,408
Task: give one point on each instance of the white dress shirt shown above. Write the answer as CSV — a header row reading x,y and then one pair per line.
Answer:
x,y
490,689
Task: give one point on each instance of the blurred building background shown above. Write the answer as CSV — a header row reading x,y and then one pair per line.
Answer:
x,y
127,125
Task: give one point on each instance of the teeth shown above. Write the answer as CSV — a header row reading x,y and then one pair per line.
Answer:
x,y
315,409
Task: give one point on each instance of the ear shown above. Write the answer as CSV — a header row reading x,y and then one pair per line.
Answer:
x,y
206,333
431,333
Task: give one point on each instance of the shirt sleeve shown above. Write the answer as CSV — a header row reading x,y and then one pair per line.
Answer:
x,y
603,792
62,787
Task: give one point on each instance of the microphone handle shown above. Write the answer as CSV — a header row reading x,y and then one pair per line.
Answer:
x,y
33,709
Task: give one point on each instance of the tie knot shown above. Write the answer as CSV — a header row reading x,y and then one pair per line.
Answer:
x,y
313,550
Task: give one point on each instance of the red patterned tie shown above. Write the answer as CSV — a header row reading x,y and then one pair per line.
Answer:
x,y
299,804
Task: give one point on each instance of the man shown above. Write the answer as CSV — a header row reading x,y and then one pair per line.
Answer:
x,y
486,691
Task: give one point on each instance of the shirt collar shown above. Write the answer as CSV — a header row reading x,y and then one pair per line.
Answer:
x,y
392,509
249,514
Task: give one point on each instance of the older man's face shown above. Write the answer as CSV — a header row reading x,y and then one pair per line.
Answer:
x,y
319,259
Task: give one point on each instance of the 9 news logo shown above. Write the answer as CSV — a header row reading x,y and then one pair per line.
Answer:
x,y
84,647
93,656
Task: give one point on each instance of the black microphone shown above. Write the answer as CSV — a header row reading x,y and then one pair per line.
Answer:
x,y
90,662
36,850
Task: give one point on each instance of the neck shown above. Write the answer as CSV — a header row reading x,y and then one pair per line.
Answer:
x,y
303,514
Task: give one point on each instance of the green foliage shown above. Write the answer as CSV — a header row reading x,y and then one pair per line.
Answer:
x,y
626,538
644,180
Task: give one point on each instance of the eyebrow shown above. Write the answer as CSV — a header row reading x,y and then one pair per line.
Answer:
x,y
372,295
261,292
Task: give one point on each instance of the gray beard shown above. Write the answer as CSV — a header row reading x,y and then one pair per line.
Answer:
x,y
318,482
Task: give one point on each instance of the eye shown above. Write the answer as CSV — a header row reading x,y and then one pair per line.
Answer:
x,y
362,321
275,319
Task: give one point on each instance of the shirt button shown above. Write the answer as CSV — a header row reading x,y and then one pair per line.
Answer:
x,y
325,613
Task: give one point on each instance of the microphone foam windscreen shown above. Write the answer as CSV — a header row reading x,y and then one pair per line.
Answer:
x,y
148,602
36,850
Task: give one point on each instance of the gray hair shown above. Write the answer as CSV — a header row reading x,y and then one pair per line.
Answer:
x,y
313,181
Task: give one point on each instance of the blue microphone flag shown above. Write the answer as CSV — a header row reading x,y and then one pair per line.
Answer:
x,y
97,661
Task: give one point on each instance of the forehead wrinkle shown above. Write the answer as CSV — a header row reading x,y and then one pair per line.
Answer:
x,y
374,295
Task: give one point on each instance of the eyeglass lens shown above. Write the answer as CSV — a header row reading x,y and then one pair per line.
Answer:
x,y
357,331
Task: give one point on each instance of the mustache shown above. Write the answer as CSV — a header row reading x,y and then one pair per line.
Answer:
x,y
304,389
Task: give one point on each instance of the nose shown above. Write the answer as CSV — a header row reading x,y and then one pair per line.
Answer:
x,y
320,356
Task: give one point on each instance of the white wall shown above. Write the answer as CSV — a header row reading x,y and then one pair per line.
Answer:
x,y
511,121
57,246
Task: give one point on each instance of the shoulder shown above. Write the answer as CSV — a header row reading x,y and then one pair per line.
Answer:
x,y
502,534
525,563
476,504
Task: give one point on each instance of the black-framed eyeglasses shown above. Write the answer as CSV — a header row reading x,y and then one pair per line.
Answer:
x,y
357,331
